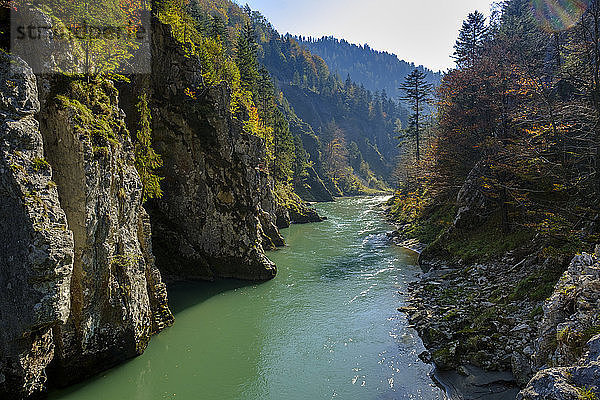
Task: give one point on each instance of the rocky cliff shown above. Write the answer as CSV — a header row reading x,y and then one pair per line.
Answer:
x,y
568,348
210,223
81,291
574,382
117,297
312,188
80,287
36,250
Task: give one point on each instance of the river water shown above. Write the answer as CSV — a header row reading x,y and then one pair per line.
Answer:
x,y
325,328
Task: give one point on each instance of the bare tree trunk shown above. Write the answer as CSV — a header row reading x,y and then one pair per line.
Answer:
x,y
417,126
504,210
557,44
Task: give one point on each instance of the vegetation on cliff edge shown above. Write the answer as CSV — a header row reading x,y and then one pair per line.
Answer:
x,y
514,145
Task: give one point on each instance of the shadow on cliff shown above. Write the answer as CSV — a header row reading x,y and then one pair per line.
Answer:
x,y
186,294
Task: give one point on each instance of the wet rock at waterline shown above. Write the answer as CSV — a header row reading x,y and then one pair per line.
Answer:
x,y
470,382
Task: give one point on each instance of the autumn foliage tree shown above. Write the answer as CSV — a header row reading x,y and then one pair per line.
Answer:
x,y
518,120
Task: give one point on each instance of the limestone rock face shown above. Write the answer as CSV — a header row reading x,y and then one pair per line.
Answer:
x,y
567,352
305,215
570,314
550,384
117,298
312,188
568,383
36,249
289,208
79,287
271,214
473,206
210,221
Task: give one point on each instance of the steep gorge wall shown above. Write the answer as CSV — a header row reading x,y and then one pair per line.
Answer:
x,y
36,250
117,297
210,223
80,290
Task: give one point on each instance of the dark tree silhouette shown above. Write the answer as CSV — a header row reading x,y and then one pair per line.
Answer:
x,y
472,36
417,92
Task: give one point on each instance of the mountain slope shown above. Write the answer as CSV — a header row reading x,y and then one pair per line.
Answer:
x,y
345,133
376,70
355,127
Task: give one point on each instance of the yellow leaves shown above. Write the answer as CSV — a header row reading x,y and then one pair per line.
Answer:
x,y
132,9
410,206
336,143
190,93
108,33
253,119
255,126
183,26
538,130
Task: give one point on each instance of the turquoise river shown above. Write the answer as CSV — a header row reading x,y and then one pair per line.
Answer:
x,y
325,328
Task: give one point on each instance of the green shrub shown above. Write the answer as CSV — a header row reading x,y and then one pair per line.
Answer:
x,y
39,164
587,394
147,161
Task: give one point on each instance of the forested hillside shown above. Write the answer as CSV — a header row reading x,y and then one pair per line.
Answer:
x,y
518,119
343,133
339,112
378,71
506,191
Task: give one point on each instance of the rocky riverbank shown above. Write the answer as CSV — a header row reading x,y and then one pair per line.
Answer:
x,y
472,315
476,318
567,355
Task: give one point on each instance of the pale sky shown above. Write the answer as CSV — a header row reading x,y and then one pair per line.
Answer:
x,y
419,31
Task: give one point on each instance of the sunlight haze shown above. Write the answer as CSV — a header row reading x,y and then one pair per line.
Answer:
x,y
422,32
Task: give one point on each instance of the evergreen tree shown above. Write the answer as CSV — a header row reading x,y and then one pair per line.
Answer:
x,y
348,84
217,28
264,95
198,17
417,92
248,10
283,163
469,45
246,57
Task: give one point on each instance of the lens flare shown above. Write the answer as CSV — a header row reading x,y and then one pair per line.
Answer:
x,y
558,15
